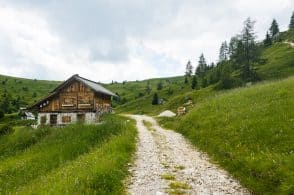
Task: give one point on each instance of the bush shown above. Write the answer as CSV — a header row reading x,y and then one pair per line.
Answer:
x,y
5,129
155,99
1,114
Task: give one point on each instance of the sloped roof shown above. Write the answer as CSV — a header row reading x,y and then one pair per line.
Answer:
x,y
92,84
96,87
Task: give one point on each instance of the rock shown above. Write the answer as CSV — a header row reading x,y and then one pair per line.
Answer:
x,y
167,113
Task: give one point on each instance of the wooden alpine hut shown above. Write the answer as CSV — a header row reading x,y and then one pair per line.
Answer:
x,y
75,100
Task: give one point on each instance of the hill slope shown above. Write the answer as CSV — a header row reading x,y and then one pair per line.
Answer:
x,y
27,90
248,131
279,64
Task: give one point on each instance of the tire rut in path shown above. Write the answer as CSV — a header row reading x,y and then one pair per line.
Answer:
x,y
167,164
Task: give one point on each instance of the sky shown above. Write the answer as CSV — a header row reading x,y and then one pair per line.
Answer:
x,y
107,40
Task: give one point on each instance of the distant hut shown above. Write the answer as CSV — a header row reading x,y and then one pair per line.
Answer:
x,y
75,100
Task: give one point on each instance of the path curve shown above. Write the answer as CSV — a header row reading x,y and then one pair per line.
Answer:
x,y
167,164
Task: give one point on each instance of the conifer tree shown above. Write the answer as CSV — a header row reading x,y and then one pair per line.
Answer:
x,y
233,46
202,66
274,29
186,80
224,52
268,41
248,50
189,69
194,82
291,25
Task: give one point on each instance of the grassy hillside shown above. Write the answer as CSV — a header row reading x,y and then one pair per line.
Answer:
x,y
27,90
249,132
280,62
79,159
287,35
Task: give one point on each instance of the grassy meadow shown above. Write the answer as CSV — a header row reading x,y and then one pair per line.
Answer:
x,y
249,132
89,159
280,62
27,90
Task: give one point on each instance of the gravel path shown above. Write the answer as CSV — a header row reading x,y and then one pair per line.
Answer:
x,y
290,43
167,164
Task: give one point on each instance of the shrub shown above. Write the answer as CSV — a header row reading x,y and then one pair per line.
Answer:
x,y
155,99
5,129
1,114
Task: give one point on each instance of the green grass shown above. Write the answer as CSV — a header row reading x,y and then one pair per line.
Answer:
x,y
168,176
73,159
179,185
287,35
280,62
28,90
249,132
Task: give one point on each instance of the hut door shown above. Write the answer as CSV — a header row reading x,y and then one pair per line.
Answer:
x,y
53,119
81,118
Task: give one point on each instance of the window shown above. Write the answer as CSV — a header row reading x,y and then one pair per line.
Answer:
x,y
53,119
81,118
66,119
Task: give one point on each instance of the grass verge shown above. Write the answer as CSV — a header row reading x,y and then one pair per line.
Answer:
x,y
74,159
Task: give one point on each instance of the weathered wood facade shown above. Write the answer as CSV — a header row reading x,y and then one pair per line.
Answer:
x,y
76,99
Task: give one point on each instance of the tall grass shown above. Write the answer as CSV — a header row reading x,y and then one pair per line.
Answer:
x,y
250,132
76,158
21,139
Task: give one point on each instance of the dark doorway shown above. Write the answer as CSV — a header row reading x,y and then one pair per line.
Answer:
x,y
81,118
53,119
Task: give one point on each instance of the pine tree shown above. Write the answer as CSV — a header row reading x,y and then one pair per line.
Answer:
x,y
268,41
186,80
189,69
212,65
194,82
274,29
202,66
224,52
233,46
291,25
248,50
155,99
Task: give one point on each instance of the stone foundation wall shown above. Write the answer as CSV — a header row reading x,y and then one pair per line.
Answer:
x,y
90,117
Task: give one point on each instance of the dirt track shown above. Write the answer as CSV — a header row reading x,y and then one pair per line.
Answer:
x,y
166,163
